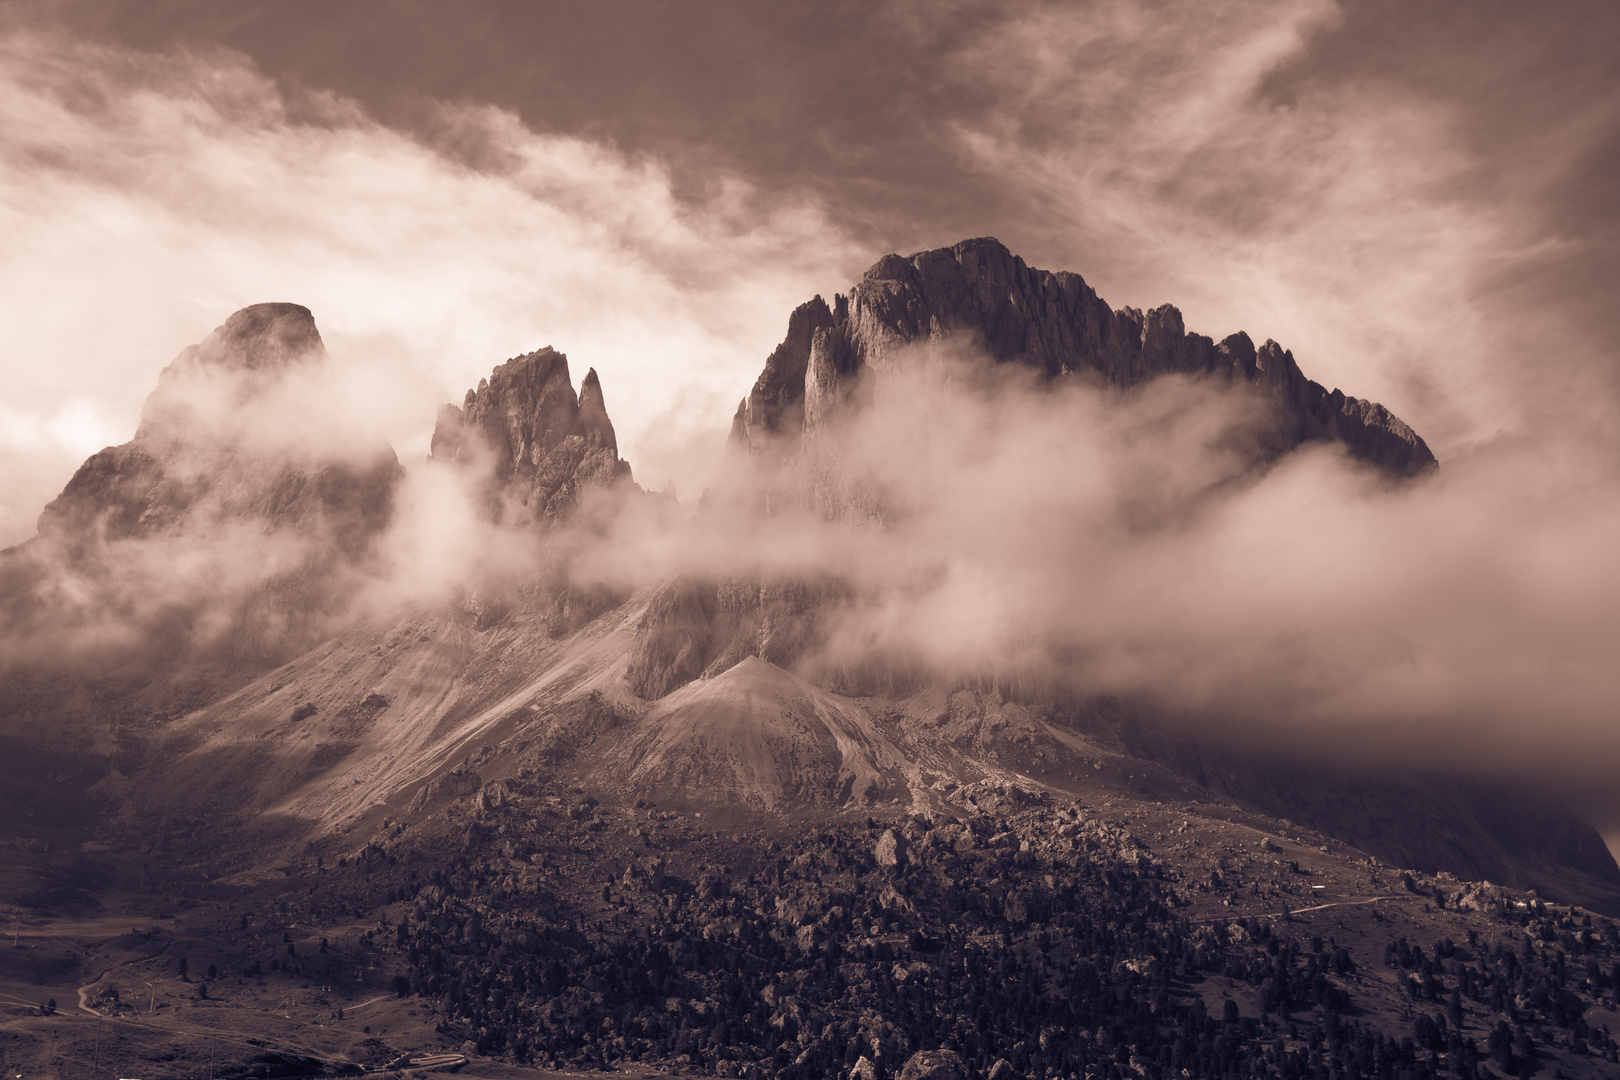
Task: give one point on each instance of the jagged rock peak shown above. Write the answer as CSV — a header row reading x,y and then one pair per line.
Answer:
x,y
980,292
772,414
537,442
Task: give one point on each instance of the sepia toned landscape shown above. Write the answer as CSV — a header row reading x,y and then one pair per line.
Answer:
x,y
1033,543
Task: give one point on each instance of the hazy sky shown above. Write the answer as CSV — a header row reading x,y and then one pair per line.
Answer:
x,y
1418,199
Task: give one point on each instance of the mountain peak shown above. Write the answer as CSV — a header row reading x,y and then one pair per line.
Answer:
x,y
231,445
262,336
979,292
252,349
539,443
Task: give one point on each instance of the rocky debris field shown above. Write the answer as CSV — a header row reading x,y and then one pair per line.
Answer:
x,y
1009,932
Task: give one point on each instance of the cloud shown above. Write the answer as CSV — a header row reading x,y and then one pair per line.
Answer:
x,y
144,196
1119,542
1171,155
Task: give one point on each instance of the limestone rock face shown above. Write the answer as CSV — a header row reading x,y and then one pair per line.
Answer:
x,y
536,446
979,295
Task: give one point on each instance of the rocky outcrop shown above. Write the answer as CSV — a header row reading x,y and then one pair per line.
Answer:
x,y
978,295
692,628
535,446
934,1065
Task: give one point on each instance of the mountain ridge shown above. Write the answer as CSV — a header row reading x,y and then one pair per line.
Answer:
x,y
567,817
1052,322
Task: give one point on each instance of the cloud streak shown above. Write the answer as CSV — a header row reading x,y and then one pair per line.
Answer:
x,y
143,195
1343,217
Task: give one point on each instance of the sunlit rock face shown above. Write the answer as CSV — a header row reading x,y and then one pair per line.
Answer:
x,y
977,297
534,444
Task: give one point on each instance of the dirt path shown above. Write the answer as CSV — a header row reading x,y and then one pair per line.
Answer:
x,y
1299,911
1344,903
352,1008
84,994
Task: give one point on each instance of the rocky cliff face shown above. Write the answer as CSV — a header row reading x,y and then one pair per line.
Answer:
x,y
962,311
979,295
534,444
693,629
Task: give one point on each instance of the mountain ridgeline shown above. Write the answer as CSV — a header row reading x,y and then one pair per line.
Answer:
x,y
982,296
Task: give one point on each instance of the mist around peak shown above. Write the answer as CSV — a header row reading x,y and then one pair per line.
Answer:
x,y
237,526
962,520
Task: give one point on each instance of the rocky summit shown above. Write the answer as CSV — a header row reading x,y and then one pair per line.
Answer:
x,y
234,531
203,454
981,297
564,817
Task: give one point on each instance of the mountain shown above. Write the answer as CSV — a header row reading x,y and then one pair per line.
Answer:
x,y
980,296
698,690
609,800
234,531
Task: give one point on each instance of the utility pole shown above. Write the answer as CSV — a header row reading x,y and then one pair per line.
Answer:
x,y
98,1043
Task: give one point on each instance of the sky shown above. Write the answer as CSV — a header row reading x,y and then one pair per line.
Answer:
x,y
1417,199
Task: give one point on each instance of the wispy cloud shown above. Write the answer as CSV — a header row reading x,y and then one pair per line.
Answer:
x,y
1342,218
145,196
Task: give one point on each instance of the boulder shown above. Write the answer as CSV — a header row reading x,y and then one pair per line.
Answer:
x,y
890,849
934,1065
